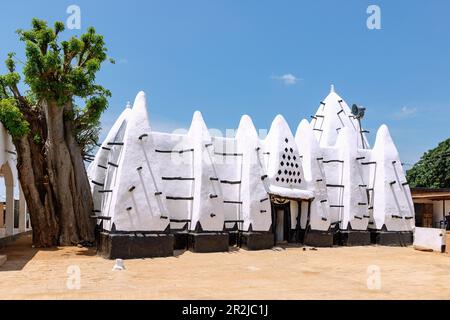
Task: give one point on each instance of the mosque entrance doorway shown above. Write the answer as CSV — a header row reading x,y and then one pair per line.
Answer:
x,y
281,220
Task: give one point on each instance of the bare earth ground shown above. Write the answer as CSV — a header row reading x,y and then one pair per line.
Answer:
x,y
291,273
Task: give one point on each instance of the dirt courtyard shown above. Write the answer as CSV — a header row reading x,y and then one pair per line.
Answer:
x,y
282,273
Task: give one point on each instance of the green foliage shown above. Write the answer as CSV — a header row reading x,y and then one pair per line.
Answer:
x,y
433,169
37,138
10,64
58,72
12,118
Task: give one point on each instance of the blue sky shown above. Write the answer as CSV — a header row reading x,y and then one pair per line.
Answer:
x,y
227,58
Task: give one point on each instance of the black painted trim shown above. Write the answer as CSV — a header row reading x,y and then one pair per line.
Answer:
x,y
98,183
230,182
335,186
177,178
100,217
142,136
179,198
174,151
228,154
232,202
333,161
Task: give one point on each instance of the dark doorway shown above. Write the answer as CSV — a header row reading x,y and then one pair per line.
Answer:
x,y
281,218
424,215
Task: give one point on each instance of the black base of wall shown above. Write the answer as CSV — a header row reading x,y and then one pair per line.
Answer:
x,y
257,240
315,238
132,246
293,236
301,236
208,242
354,238
397,239
180,240
233,238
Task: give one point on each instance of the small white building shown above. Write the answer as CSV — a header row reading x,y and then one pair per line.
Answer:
x,y
13,212
432,207
323,186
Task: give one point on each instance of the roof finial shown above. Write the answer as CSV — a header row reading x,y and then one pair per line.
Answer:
x,y
128,105
332,89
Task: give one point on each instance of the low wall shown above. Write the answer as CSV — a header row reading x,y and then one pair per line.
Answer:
x,y
430,238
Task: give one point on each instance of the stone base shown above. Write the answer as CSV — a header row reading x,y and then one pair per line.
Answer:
x,y
132,246
294,236
315,238
257,240
208,242
180,240
301,236
395,239
354,238
233,238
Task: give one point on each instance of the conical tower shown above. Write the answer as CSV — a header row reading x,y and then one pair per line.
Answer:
x,y
207,220
136,216
332,115
393,209
312,163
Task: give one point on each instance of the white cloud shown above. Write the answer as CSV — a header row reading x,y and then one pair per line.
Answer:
x,y
288,79
405,112
122,61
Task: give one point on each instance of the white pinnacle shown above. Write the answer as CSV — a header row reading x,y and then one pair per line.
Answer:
x,y
332,89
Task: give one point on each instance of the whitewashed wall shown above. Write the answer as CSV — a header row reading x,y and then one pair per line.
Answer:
x,y
210,180
8,170
256,208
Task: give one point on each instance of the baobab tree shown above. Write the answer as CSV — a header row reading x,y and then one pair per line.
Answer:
x,y
51,133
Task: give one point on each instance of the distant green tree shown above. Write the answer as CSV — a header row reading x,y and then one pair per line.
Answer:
x,y
433,169
51,134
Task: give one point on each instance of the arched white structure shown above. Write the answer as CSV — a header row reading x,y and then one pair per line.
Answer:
x,y
9,226
322,187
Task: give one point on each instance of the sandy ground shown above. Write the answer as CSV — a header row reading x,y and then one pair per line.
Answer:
x,y
288,273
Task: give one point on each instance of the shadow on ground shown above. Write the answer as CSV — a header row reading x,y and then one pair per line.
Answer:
x,y
19,253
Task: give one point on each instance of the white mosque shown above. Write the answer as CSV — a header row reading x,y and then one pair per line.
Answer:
x,y
155,192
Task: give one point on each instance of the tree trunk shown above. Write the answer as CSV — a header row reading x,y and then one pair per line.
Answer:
x,y
54,180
